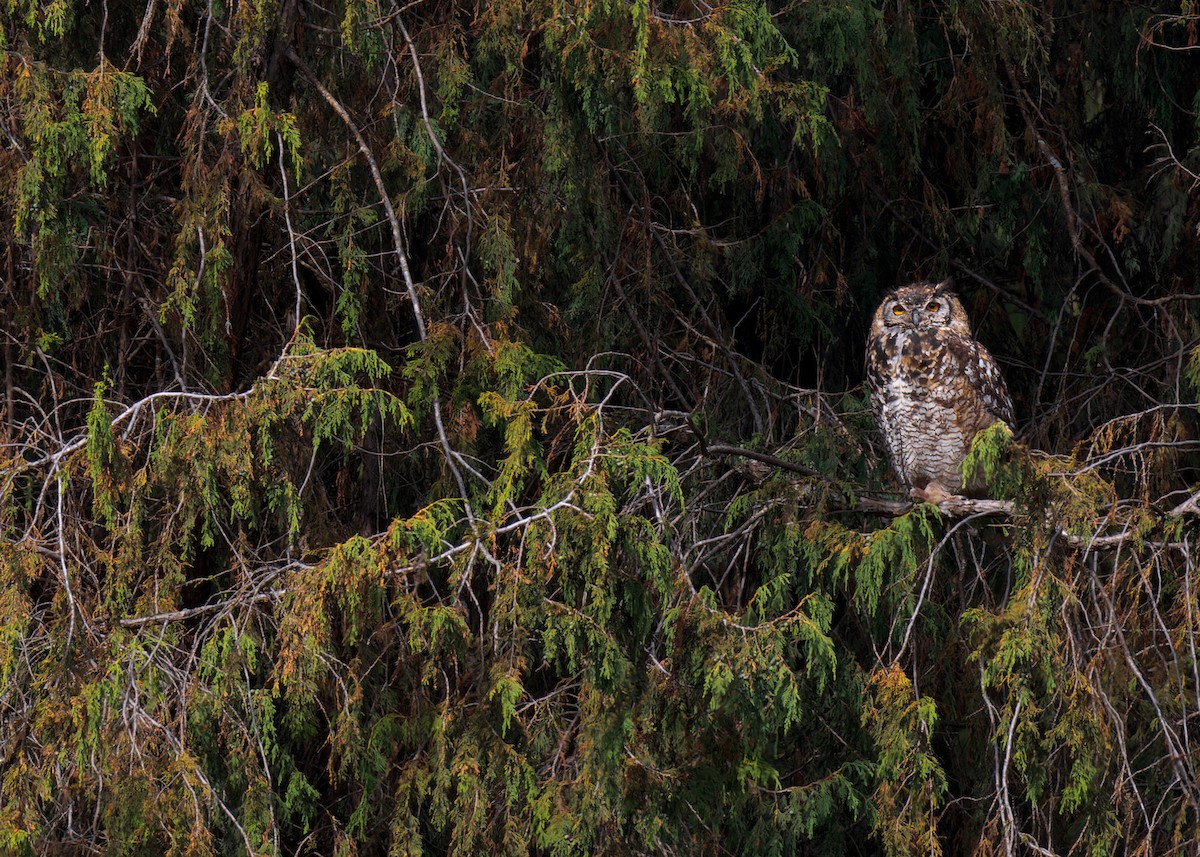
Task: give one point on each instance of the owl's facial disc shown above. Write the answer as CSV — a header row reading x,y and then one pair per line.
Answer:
x,y
897,314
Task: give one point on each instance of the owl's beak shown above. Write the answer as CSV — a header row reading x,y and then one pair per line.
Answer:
x,y
917,316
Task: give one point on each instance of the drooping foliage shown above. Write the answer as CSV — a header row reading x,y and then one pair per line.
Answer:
x,y
437,428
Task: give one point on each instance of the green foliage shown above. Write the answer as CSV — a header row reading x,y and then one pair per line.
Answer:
x,y
260,127
72,120
986,460
103,461
1192,371
438,429
912,783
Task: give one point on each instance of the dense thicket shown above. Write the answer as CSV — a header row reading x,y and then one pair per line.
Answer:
x,y
437,428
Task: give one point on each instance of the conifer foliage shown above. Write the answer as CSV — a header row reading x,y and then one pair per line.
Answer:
x,y
438,428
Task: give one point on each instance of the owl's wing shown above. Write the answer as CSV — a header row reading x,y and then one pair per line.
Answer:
x,y
983,376
876,367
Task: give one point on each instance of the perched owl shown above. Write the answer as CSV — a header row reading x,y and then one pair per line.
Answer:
x,y
933,387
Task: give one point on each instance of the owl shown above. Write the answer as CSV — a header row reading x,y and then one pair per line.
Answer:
x,y
933,388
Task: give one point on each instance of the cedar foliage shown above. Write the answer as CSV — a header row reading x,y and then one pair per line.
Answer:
x,y
437,428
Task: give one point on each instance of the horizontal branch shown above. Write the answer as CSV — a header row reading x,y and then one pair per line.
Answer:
x,y
190,612
954,506
765,458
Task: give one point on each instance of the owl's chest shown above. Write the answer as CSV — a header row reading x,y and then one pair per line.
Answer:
x,y
919,365
918,397
919,410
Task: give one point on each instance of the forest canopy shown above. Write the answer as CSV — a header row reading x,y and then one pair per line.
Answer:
x,y
439,428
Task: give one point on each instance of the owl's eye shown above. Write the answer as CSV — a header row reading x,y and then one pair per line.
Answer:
x,y
933,306
897,310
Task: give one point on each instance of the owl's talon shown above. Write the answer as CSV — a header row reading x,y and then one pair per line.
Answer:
x,y
934,493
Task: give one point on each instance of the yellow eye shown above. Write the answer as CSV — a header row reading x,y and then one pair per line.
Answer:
x,y
933,306
897,310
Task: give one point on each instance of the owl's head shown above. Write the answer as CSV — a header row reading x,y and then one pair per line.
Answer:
x,y
920,306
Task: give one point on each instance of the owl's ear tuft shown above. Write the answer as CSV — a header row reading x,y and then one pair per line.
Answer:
x,y
946,285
